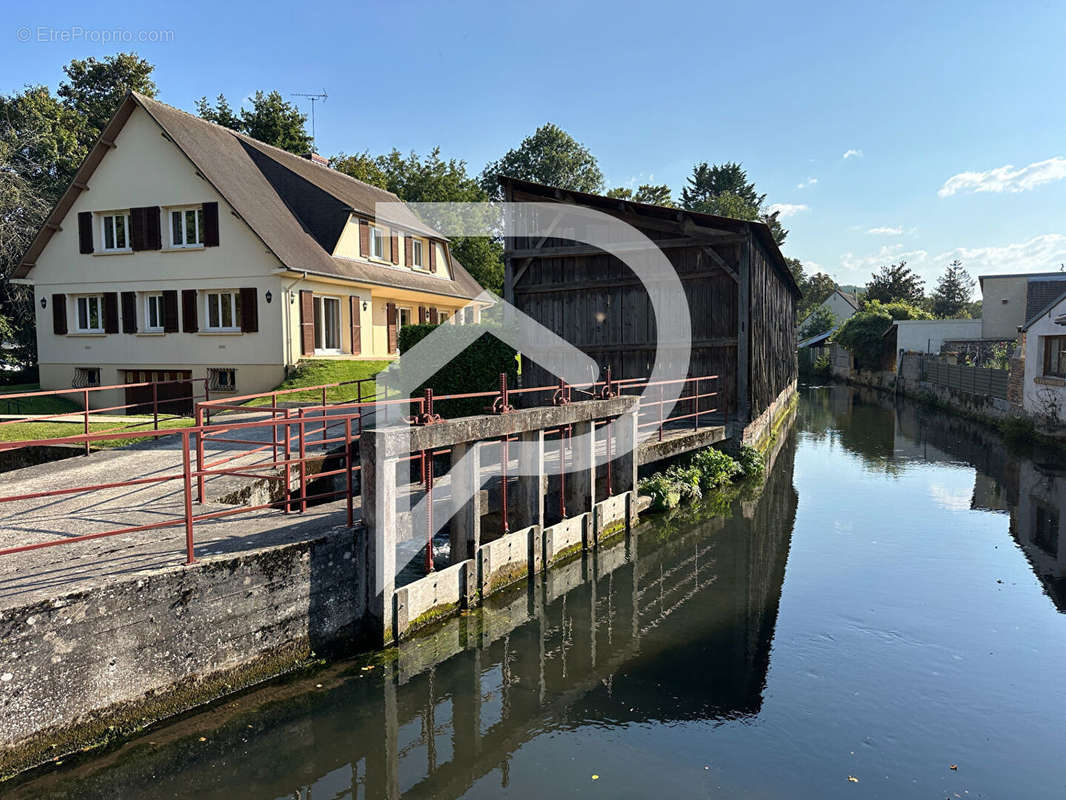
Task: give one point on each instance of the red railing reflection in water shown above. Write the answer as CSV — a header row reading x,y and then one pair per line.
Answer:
x,y
318,432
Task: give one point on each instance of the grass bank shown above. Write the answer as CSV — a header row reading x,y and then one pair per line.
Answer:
x,y
316,372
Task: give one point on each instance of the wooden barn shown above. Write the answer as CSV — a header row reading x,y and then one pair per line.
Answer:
x,y
740,292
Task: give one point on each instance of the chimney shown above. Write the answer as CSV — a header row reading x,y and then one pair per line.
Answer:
x,y
317,159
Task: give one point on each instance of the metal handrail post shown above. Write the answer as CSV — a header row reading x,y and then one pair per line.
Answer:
x,y
190,556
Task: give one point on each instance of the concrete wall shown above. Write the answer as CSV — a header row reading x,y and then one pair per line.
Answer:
x,y
1003,306
129,653
927,335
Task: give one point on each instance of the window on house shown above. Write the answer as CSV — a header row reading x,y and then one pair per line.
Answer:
x,y
114,231
90,313
86,376
442,316
327,325
417,258
405,317
223,312
222,379
377,242
186,227
153,312
1055,356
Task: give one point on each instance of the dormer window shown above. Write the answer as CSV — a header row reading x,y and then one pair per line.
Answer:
x,y
186,227
418,258
377,243
114,232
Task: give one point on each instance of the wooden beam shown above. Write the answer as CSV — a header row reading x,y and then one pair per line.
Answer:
x,y
722,263
592,250
598,285
80,185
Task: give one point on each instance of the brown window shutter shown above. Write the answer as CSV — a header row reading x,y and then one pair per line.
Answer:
x,y
364,238
137,229
153,233
422,315
390,321
85,232
307,322
433,318
170,311
407,248
357,341
432,256
188,311
129,312
59,314
394,246
210,231
249,310
110,312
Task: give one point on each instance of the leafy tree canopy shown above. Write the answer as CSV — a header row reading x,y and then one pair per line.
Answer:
x,y
863,332
951,298
895,282
816,290
820,320
271,119
94,89
656,195
432,179
725,190
550,156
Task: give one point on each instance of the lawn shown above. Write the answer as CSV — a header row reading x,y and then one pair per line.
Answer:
x,y
42,431
34,405
320,371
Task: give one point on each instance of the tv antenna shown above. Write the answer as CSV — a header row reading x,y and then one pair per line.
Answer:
x,y
314,98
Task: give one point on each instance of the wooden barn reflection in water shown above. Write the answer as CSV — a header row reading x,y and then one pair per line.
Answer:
x,y
674,623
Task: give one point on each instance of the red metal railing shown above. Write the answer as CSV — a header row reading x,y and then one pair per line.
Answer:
x,y
293,441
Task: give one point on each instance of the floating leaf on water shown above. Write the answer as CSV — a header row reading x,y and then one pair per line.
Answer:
x,y
954,766
853,779
595,777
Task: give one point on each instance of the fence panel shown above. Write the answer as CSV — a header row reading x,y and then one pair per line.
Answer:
x,y
962,378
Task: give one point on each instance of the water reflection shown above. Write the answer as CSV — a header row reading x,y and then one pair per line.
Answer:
x,y
675,624
1028,485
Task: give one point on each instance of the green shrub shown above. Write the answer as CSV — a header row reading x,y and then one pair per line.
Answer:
x,y
665,493
862,333
715,467
708,470
476,369
751,462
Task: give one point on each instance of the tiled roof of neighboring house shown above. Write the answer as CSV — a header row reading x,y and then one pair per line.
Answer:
x,y
1040,293
295,206
1031,319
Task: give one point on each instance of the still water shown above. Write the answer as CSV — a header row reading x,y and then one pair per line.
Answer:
x,y
888,607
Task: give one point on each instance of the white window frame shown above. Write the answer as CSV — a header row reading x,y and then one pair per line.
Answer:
x,y
198,224
442,316
320,301
234,296
400,311
418,253
215,385
148,326
378,235
108,220
99,298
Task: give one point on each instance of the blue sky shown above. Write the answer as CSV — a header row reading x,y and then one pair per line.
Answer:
x,y
933,101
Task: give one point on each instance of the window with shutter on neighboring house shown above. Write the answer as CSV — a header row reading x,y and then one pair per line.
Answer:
x,y
114,232
1055,356
89,313
377,243
154,313
186,227
418,253
222,311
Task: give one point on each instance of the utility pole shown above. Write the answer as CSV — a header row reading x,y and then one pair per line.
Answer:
x,y
314,98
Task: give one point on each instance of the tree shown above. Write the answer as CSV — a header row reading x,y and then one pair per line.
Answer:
x,y
863,332
953,291
271,119
820,320
656,195
94,89
815,292
44,140
724,190
895,282
432,179
550,156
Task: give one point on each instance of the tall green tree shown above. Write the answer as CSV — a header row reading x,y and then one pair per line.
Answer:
x,y
820,320
271,119
816,290
653,194
550,156
94,89
895,282
432,179
951,297
725,190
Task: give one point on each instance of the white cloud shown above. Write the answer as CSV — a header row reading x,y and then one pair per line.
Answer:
x,y
1006,178
807,183
852,153
885,230
788,209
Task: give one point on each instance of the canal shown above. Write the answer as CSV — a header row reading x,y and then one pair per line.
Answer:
x,y
884,618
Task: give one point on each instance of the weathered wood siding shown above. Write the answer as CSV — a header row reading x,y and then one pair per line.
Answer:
x,y
772,334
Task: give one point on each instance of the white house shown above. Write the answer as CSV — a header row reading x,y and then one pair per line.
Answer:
x,y
1044,386
928,335
185,250
841,304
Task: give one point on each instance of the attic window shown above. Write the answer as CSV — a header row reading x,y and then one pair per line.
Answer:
x,y
417,258
377,242
114,232
186,227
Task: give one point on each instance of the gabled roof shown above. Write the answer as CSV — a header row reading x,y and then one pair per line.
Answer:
x,y
1041,291
850,299
296,207
760,230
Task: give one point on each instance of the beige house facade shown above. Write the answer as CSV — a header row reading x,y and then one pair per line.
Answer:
x,y
184,250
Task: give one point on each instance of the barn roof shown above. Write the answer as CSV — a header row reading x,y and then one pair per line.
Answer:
x,y
291,203
760,230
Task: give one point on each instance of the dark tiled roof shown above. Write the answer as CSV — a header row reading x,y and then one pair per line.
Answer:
x,y
1040,293
296,207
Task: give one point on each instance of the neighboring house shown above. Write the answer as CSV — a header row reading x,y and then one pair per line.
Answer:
x,y
841,304
929,335
1009,301
1044,347
185,250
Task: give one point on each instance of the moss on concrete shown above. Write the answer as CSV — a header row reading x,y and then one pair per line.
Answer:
x,y
505,576
566,554
428,617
